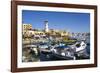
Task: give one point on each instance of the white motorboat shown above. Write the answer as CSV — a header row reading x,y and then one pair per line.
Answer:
x,y
82,46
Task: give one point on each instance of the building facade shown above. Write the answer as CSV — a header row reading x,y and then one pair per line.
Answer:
x,y
27,26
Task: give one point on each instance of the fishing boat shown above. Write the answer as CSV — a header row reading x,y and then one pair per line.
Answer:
x,y
81,51
62,53
80,46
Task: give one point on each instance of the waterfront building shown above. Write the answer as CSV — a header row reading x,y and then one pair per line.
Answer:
x,y
28,31
36,33
27,26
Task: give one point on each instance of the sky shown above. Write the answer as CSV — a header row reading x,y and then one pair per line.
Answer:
x,y
68,21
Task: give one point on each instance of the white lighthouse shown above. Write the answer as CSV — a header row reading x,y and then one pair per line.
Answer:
x,y
46,26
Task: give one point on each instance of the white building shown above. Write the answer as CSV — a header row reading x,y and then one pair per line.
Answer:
x,y
46,26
